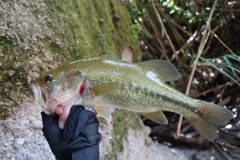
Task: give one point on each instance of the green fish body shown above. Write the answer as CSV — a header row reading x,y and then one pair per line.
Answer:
x,y
105,82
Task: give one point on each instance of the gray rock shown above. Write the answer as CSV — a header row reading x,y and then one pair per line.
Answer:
x,y
18,142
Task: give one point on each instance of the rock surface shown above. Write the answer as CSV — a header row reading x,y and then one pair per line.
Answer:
x,y
21,138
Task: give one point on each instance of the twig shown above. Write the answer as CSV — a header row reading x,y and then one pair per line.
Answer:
x,y
180,28
229,133
200,49
165,31
227,145
167,135
159,41
222,42
213,89
219,149
189,41
230,10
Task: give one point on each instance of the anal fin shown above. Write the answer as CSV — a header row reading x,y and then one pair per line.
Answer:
x,y
103,112
156,116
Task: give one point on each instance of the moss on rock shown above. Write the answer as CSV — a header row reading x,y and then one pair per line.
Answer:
x,y
123,120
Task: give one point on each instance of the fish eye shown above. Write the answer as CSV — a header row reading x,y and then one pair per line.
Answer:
x,y
48,78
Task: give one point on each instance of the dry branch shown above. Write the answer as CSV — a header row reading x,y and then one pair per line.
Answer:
x,y
200,49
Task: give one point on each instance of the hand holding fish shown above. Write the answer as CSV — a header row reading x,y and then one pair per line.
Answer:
x,y
63,113
80,137
105,82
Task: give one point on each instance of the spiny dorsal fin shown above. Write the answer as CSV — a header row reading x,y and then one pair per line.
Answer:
x,y
102,57
107,56
164,69
157,116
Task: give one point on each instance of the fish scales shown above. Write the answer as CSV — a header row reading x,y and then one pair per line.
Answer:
x,y
144,96
106,82
174,101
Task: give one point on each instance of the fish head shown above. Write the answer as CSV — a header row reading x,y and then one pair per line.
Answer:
x,y
61,86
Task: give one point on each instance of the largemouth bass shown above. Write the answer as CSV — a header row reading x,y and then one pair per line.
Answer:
x,y
105,82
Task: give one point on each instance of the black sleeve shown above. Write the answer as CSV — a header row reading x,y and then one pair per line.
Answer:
x,y
90,153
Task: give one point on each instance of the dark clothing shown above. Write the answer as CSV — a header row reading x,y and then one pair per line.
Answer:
x,y
79,140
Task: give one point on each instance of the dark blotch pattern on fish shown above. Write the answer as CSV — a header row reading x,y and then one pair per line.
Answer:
x,y
146,92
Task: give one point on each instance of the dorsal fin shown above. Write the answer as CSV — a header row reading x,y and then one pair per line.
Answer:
x,y
102,57
164,69
107,56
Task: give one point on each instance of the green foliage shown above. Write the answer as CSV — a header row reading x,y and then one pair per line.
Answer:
x,y
135,31
170,4
175,29
229,65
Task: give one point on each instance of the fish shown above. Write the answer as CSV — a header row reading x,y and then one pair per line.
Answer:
x,y
106,82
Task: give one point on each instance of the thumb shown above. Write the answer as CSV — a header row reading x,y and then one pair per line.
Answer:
x,y
63,117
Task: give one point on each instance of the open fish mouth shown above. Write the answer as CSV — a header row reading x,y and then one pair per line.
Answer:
x,y
38,94
40,97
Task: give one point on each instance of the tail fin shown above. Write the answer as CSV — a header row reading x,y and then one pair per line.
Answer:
x,y
209,118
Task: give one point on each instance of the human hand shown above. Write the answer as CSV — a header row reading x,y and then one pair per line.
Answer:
x,y
63,112
78,140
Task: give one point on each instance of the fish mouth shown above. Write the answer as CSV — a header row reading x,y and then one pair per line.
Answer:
x,y
40,97
38,94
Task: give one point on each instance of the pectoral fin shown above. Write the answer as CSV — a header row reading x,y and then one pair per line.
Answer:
x,y
157,116
103,112
103,89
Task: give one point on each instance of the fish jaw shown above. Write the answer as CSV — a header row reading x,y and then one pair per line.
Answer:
x,y
40,97
38,94
49,101
50,106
